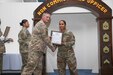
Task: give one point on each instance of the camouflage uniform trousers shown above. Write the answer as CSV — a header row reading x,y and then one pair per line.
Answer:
x,y
34,64
24,57
1,62
70,60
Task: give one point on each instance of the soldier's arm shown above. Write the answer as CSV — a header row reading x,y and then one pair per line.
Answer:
x,y
4,40
48,43
8,40
26,38
71,41
40,31
22,37
47,40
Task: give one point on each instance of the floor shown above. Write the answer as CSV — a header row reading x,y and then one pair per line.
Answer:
x,y
80,72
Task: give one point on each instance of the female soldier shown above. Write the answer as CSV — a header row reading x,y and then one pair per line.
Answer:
x,y
65,53
3,40
23,39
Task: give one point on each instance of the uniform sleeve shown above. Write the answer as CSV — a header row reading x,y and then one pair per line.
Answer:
x,y
22,37
4,40
7,40
38,30
70,40
47,40
2,46
41,31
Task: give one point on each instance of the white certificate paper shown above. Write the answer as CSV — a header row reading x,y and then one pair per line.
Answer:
x,y
56,37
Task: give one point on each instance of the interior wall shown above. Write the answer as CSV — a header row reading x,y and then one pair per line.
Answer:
x,y
11,15
83,26
11,0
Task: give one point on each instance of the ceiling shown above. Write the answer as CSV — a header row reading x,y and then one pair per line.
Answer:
x,y
30,0
19,0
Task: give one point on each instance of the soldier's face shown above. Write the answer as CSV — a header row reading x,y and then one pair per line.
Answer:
x,y
27,24
46,18
61,25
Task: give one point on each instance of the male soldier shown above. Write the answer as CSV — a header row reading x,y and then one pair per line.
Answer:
x,y
38,46
2,48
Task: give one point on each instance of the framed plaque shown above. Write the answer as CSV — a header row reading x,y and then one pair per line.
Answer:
x,y
56,37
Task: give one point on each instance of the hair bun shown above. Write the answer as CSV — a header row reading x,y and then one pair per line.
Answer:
x,y
23,21
21,24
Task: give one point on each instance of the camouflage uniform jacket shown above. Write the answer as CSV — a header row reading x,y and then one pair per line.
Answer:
x,y
2,46
40,40
24,38
2,43
68,41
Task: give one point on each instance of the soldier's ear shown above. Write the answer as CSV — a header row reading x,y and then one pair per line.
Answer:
x,y
24,24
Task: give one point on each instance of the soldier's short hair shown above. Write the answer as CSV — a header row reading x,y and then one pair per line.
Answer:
x,y
45,14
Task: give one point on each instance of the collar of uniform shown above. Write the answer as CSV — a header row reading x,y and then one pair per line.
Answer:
x,y
65,31
46,24
42,22
24,28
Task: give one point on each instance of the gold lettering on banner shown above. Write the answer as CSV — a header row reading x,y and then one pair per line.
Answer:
x,y
106,49
55,2
41,10
48,5
96,4
105,37
105,25
106,61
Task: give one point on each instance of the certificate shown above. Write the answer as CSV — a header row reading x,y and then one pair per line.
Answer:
x,y
56,37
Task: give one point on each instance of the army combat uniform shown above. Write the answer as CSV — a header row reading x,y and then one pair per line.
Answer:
x,y
2,50
38,46
66,54
24,38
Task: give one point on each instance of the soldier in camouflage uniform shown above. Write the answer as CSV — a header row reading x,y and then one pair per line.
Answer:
x,y
38,46
65,53
2,48
24,39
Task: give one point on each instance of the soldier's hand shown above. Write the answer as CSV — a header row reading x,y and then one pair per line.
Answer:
x,y
50,37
